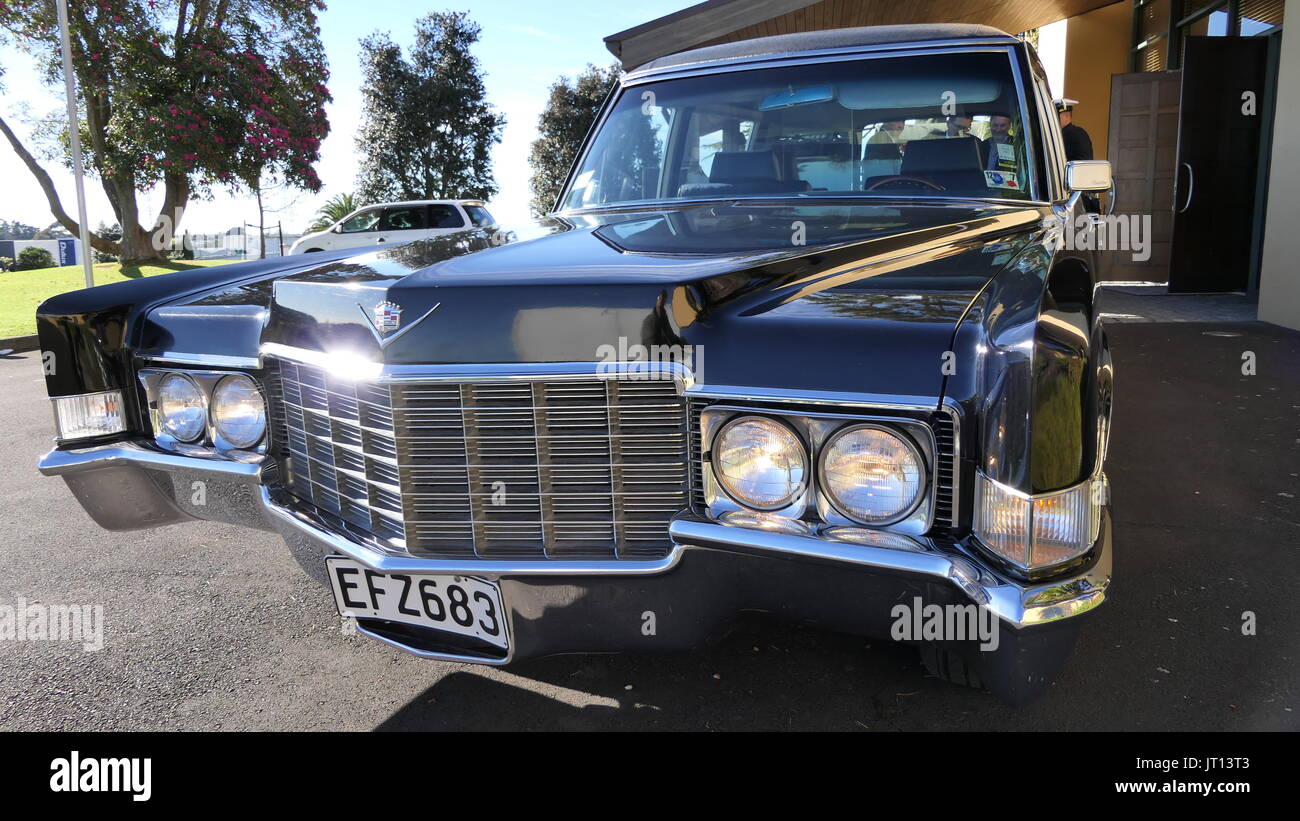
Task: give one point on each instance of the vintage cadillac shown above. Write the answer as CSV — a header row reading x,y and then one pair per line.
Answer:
x,y
803,336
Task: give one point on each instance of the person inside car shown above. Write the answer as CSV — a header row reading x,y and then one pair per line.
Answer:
x,y
998,158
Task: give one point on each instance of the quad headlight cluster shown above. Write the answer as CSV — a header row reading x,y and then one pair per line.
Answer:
x,y
224,410
768,471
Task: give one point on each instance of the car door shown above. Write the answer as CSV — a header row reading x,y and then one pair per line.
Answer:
x,y
444,218
401,223
359,229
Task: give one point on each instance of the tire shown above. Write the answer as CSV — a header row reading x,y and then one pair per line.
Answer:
x,y
1019,670
948,666
313,250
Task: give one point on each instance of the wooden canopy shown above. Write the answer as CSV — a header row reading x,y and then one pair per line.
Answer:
x,y
725,21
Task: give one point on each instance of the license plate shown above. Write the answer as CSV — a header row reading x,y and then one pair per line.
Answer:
x,y
454,604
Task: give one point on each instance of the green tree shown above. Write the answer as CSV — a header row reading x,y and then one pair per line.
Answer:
x,y
31,258
52,231
183,95
427,129
570,111
335,208
17,230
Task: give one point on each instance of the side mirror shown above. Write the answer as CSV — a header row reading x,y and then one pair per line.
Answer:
x,y
338,228
1087,175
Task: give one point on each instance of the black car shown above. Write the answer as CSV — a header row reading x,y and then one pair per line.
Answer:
x,y
802,336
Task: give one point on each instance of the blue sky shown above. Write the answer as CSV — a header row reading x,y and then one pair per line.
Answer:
x,y
525,46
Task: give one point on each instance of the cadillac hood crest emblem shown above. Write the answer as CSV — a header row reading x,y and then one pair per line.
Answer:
x,y
388,317
385,321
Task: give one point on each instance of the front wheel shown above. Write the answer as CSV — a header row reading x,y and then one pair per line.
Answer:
x,y
1019,669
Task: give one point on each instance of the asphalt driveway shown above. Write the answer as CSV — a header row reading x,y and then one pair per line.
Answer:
x,y
214,627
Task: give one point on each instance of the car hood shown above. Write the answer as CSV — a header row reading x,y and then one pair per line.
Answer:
x,y
861,298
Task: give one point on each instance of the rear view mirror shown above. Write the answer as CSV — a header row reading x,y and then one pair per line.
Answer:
x,y
797,96
1087,175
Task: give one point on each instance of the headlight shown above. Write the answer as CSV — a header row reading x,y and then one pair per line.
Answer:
x,y
1033,532
872,475
760,462
181,411
90,414
238,411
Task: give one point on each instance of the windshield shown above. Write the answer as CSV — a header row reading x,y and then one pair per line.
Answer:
x,y
927,126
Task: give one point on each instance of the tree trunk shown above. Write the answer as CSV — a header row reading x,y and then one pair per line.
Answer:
x,y
51,195
137,244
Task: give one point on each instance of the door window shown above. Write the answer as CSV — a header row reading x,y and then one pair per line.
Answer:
x,y
445,216
479,216
358,223
403,218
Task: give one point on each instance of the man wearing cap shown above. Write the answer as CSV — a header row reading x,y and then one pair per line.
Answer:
x,y
1078,145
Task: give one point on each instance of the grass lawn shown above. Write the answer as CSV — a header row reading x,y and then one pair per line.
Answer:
x,y
22,291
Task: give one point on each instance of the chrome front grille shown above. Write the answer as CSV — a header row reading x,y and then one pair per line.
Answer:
x,y
549,469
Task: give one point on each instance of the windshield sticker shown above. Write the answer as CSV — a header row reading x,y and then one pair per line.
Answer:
x,y
1006,151
1001,179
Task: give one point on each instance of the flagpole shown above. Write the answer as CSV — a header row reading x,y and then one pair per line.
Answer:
x,y
74,135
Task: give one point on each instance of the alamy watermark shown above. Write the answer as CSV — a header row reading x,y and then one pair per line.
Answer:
x,y
1108,232
632,361
35,621
948,622
88,774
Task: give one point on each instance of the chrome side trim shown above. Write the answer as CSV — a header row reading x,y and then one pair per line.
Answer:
x,y
206,359
1031,154
776,200
58,462
880,401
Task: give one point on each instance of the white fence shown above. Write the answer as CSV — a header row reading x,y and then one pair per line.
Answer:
x,y
234,245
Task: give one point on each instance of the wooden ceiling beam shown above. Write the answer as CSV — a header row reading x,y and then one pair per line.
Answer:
x,y
727,21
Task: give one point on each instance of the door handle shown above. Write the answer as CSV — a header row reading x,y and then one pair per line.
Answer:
x,y
381,239
1191,187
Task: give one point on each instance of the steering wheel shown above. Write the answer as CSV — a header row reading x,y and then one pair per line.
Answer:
x,y
905,181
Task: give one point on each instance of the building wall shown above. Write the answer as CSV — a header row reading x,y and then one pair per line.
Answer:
x,y
1279,281
1096,46
64,251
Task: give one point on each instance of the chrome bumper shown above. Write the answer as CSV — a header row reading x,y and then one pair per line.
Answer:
x,y
128,486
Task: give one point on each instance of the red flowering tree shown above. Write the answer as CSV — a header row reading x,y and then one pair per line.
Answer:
x,y
183,95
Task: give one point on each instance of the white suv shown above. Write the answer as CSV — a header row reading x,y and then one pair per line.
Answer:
x,y
391,223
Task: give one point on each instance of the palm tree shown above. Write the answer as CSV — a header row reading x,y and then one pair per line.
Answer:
x,y
335,208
